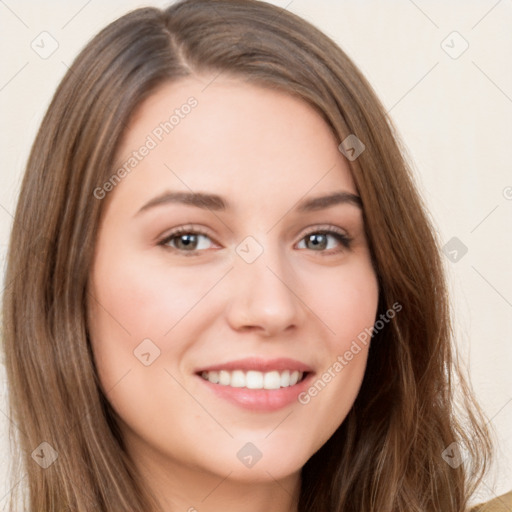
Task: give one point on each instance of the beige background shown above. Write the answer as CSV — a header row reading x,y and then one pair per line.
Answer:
x,y
452,108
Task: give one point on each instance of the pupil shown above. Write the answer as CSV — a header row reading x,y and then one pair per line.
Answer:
x,y
187,240
317,241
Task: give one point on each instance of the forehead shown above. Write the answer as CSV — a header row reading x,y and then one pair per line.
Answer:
x,y
224,136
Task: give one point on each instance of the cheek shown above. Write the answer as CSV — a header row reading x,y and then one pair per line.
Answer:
x,y
140,306
145,299
346,302
132,305
347,306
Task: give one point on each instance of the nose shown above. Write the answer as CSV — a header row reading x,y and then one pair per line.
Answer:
x,y
264,295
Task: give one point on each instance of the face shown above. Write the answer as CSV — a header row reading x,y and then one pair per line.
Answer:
x,y
223,324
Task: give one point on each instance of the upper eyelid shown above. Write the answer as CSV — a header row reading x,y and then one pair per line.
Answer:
x,y
188,228
323,228
174,234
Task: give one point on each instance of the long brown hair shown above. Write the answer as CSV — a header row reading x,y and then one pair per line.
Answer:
x,y
388,453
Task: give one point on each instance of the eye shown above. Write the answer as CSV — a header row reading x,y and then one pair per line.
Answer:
x,y
191,241
325,240
186,240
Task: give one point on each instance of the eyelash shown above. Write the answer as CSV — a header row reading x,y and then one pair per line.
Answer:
x,y
341,237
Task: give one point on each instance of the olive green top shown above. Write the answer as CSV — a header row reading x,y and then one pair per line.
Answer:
x,y
500,504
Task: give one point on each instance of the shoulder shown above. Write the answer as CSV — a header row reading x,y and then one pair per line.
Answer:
x,y
500,504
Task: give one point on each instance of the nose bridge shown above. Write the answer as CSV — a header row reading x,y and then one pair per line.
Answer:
x,y
263,293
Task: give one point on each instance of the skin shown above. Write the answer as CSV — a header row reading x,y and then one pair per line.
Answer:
x,y
262,151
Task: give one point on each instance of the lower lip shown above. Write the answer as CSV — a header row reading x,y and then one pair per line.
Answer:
x,y
264,400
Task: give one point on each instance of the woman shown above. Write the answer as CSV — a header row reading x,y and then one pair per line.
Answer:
x,y
225,293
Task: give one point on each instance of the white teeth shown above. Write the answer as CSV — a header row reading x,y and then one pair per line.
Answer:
x,y
237,379
211,376
272,380
294,377
224,378
254,379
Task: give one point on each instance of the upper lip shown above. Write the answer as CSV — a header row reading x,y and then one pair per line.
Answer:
x,y
258,364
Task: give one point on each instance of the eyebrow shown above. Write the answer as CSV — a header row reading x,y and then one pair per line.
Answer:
x,y
217,203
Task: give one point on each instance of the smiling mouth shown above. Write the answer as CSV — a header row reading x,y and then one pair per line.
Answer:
x,y
255,379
